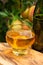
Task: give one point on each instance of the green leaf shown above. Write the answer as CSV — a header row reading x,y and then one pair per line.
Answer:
x,y
3,14
28,23
6,12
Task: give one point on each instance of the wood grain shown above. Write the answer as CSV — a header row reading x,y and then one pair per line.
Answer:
x,y
8,58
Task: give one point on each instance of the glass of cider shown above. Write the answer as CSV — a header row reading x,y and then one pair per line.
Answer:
x,y
20,40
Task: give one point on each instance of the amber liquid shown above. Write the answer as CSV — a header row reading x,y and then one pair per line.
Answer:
x,y
20,39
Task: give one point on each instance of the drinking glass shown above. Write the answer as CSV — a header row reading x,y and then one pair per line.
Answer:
x,y
20,40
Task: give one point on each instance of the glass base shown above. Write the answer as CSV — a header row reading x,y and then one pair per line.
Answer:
x,y
20,52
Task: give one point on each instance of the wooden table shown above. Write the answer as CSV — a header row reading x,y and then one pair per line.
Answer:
x,y
8,58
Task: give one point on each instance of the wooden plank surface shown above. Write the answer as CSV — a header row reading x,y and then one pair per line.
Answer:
x,y
8,58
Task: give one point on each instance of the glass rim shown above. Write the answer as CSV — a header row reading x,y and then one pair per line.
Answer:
x,y
30,35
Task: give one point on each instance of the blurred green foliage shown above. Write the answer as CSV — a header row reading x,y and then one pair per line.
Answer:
x,y
8,8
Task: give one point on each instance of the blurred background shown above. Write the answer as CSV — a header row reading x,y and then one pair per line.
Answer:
x,y
14,7
20,10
